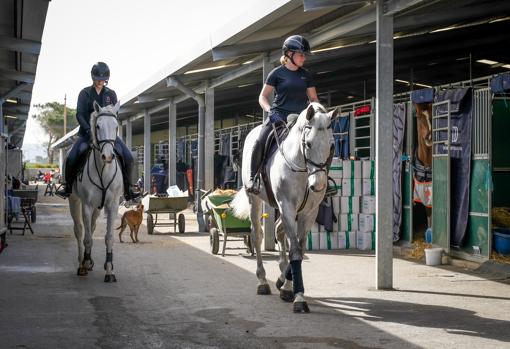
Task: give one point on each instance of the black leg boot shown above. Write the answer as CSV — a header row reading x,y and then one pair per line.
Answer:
x,y
256,158
66,189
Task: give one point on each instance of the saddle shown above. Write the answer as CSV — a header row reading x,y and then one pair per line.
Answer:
x,y
278,135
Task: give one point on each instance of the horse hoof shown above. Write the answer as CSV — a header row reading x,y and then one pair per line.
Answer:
x,y
301,307
263,289
287,296
91,266
82,272
279,284
110,278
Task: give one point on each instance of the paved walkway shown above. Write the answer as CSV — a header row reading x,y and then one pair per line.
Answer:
x,y
172,293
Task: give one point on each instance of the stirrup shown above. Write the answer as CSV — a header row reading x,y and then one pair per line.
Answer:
x,y
61,192
254,185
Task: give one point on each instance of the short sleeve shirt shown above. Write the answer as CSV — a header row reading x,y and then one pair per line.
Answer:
x,y
290,89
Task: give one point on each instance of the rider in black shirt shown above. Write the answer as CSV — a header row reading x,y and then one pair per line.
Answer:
x,y
103,96
294,89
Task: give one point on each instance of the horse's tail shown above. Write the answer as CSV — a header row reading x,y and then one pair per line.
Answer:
x,y
241,205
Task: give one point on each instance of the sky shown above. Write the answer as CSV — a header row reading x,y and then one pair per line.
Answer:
x,y
135,38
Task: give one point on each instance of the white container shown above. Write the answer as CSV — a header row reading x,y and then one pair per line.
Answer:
x,y
368,168
364,241
349,204
312,242
368,204
348,222
347,239
368,187
315,228
328,241
351,169
336,205
433,256
366,222
351,187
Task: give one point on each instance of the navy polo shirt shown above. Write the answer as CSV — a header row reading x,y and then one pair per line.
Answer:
x,y
290,89
85,106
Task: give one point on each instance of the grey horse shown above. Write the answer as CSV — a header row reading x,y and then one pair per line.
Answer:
x,y
298,178
99,185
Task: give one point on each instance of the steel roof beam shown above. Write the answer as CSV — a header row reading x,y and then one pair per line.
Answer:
x,y
20,45
18,76
237,50
313,5
392,7
13,93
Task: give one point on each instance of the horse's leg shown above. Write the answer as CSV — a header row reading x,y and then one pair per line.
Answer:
x,y
75,209
284,282
290,225
108,265
88,262
256,237
87,238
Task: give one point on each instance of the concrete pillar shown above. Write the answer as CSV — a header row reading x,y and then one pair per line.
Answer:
x,y
202,227
209,139
119,131
172,147
384,153
147,151
269,222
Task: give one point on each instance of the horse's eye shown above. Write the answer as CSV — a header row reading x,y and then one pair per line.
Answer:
x,y
308,144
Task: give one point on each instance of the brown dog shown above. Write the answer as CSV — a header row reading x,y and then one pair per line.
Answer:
x,y
133,218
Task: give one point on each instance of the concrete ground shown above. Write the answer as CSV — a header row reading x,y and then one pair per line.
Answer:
x,y
173,293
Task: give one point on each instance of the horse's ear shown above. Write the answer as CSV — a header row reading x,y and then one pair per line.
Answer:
x,y
334,114
97,107
310,112
116,108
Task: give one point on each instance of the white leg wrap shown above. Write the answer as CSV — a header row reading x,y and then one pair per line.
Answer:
x,y
299,297
287,285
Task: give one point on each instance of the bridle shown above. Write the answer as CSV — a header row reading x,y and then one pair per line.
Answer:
x,y
99,146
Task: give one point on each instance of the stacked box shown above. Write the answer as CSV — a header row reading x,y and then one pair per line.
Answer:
x,y
313,241
348,222
335,171
365,240
366,222
368,169
350,204
351,169
368,186
347,239
351,187
368,204
328,240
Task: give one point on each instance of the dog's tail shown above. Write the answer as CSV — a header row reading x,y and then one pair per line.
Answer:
x,y
122,223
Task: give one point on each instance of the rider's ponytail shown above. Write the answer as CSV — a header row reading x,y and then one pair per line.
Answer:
x,y
284,59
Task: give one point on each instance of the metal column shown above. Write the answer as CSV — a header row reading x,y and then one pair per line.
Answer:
x,y
209,139
147,151
61,160
129,133
172,147
269,222
384,139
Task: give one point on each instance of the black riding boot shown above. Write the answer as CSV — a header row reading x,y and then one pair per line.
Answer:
x,y
129,192
65,190
253,185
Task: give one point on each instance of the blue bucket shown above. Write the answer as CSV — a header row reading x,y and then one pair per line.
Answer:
x,y
501,241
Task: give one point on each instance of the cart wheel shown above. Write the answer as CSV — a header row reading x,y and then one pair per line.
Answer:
x,y
150,224
248,244
33,215
181,223
214,239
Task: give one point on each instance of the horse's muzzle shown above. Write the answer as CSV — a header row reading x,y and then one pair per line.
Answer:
x,y
108,159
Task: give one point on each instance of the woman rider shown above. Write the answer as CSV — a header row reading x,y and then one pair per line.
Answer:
x,y
294,88
100,74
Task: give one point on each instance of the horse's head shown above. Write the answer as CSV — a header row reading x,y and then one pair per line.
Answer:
x,y
317,143
423,116
103,126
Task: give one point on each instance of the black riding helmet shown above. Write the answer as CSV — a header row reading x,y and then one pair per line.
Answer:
x,y
296,43
100,71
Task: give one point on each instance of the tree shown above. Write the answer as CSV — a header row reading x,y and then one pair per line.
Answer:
x,y
51,118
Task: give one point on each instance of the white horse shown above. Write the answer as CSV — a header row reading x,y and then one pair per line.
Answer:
x,y
297,173
99,185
